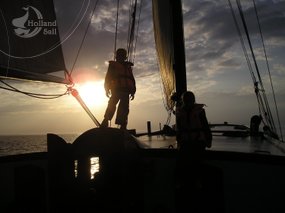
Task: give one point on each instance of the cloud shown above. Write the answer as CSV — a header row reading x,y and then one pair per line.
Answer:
x,y
216,68
149,88
213,51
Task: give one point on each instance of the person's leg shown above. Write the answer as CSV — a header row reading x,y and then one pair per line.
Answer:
x,y
123,110
111,108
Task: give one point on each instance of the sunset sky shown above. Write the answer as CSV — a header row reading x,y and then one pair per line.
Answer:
x,y
217,71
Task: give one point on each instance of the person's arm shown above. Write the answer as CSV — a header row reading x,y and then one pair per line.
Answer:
x,y
133,80
134,91
108,79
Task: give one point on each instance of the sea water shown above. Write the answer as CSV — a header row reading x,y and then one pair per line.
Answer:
x,y
22,144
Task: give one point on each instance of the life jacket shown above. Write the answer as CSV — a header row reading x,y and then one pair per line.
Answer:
x,y
120,77
191,128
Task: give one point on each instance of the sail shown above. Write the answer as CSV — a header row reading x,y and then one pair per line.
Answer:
x,y
169,39
30,44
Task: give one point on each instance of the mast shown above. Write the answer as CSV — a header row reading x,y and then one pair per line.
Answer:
x,y
179,48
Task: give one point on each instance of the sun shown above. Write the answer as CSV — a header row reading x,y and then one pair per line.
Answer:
x,y
92,93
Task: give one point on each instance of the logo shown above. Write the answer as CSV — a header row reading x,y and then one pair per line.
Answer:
x,y
32,23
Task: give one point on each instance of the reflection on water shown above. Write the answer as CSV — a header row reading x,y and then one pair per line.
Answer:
x,y
94,161
75,168
94,167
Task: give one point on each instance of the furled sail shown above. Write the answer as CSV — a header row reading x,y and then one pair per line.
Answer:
x,y
30,44
169,39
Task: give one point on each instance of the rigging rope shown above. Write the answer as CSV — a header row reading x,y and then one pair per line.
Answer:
x,y
84,36
268,114
73,91
132,30
137,32
268,69
34,95
116,29
242,43
263,104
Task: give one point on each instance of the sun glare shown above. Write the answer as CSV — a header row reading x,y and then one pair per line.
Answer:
x,y
92,93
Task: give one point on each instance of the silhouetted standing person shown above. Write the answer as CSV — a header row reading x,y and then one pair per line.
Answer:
x,y
194,135
120,86
193,126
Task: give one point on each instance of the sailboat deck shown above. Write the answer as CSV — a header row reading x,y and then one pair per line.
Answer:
x,y
220,143
239,174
